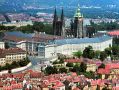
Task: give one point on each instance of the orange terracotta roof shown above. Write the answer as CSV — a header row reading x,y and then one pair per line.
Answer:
x,y
4,52
112,66
103,71
18,75
35,75
73,60
13,50
113,33
17,86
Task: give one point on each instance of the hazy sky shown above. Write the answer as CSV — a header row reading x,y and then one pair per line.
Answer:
x,y
1,1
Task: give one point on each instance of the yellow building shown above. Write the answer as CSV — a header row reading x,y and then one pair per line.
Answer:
x,y
10,55
91,67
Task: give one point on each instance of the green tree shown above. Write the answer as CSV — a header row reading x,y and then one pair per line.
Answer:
x,y
89,74
77,54
66,83
6,45
55,62
69,64
62,70
0,68
48,29
103,56
88,52
50,70
76,68
108,51
15,64
102,66
61,61
115,50
82,67
38,26
97,54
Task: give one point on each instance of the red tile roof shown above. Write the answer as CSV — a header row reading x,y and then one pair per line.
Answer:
x,y
18,75
114,33
103,71
35,75
112,66
4,52
17,86
13,50
73,60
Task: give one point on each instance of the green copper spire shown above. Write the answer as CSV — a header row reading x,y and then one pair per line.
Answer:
x,y
78,13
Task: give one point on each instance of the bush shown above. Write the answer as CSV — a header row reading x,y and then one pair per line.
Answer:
x,y
69,65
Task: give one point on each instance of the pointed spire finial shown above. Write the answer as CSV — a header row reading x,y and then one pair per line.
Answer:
x,y
78,5
78,13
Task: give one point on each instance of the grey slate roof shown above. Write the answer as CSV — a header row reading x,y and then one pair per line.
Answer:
x,y
82,40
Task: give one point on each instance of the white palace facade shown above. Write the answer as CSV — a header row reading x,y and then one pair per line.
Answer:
x,y
68,46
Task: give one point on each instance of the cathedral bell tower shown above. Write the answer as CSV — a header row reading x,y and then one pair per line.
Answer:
x,y
59,24
78,24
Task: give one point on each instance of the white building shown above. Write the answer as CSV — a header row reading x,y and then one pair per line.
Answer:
x,y
68,46
2,45
19,24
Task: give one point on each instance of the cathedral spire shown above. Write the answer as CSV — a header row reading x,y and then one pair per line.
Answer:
x,y
54,21
55,14
62,22
78,13
62,15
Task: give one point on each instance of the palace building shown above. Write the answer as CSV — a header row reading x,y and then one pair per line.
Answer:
x,y
68,46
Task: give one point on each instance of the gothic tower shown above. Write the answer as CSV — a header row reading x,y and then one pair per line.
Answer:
x,y
78,24
55,18
59,24
63,23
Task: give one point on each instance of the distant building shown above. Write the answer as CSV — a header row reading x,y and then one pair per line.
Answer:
x,y
114,33
18,24
105,20
2,19
2,45
29,42
68,46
